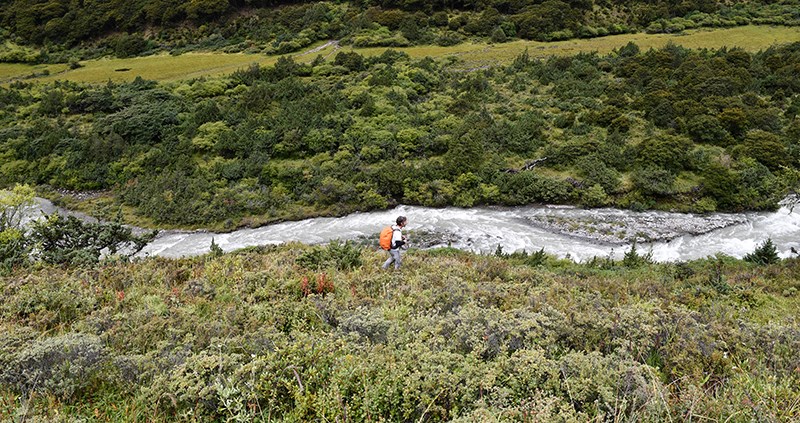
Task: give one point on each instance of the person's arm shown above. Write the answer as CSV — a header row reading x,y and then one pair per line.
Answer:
x,y
397,239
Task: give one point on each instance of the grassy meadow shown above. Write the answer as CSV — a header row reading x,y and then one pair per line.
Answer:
x,y
165,67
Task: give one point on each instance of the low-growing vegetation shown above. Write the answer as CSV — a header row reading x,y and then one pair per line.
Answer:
x,y
302,333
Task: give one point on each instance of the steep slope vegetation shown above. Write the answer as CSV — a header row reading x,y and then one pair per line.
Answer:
x,y
69,30
669,128
300,333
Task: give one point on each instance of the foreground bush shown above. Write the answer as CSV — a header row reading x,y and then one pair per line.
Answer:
x,y
300,333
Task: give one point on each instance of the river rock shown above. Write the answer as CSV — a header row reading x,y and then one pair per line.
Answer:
x,y
612,227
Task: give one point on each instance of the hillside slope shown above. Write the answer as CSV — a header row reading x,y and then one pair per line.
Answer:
x,y
301,333
667,128
80,30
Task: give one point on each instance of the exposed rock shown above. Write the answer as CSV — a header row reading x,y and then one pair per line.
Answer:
x,y
80,195
614,228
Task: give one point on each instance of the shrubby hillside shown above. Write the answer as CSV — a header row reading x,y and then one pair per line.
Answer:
x,y
320,333
669,128
69,30
299,333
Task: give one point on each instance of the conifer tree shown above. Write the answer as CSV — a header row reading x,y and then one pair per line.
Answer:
x,y
764,254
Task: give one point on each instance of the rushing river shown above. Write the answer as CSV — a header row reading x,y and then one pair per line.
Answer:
x,y
563,231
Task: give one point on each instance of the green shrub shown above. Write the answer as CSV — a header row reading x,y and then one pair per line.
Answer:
x,y
129,45
215,250
67,366
498,36
68,240
458,336
764,254
594,196
632,258
12,206
708,129
201,383
537,258
449,38
47,304
313,259
653,181
606,385
342,256
596,172
346,255
368,324
528,187
14,249
665,151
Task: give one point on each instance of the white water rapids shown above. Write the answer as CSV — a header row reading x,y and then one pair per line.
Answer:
x,y
482,229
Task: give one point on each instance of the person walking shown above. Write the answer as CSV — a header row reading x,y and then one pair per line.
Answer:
x,y
399,241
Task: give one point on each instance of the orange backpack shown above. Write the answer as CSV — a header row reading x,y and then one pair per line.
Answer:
x,y
386,238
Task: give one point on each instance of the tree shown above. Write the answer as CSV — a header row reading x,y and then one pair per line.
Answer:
x,y
498,35
767,148
14,246
708,129
665,151
722,184
547,17
68,240
465,154
594,196
596,172
215,250
352,61
201,9
633,259
13,204
129,45
653,180
764,254
734,119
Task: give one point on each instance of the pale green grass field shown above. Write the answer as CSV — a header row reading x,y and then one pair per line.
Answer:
x,y
10,71
160,68
467,55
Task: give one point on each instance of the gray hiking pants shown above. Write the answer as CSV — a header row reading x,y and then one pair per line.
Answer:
x,y
394,256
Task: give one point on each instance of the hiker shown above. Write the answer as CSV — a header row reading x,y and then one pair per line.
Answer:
x,y
398,241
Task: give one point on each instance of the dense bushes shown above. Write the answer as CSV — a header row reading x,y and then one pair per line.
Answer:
x,y
321,332
71,31
632,129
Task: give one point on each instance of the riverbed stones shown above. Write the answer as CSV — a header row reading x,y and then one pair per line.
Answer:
x,y
612,227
